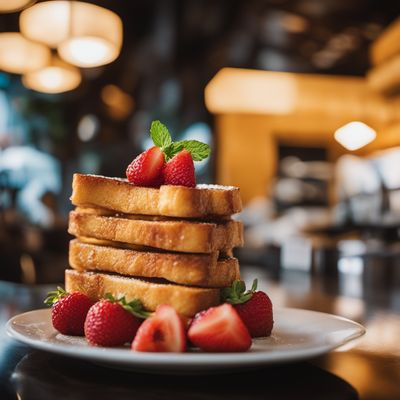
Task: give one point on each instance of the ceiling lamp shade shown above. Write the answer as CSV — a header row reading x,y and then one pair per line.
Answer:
x,y
19,55
355,135
7,6
85,35
56,77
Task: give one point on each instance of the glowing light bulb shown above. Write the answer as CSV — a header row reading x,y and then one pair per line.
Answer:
x,y
57,77
355,135
88,51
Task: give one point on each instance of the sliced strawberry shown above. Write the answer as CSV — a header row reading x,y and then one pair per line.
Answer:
x,y
219,329
163,332
146,168
180,170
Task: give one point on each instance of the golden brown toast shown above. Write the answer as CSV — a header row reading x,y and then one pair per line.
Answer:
x,y
225,253
174,235
186,300
175,201
188,269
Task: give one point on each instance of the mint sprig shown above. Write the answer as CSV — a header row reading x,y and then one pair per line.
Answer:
x,y
161,138
237,294
135,306
160,135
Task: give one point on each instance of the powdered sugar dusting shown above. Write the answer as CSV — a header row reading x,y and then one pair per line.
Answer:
x,y
216,187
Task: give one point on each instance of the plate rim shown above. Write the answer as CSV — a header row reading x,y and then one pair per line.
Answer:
x,y
193,359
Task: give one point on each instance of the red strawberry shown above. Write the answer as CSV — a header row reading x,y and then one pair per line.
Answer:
x,y
219,329
68,311
254,307
146,168
109,323
180,170
163,332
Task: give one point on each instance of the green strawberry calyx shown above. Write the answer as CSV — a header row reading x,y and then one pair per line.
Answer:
x,y
55,295
135,306
237,293
161,137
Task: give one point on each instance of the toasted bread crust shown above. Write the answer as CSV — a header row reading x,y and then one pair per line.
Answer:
x,y
187,269
181,236
176,201
186,300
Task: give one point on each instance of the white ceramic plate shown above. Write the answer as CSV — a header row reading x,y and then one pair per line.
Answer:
x,y
297,334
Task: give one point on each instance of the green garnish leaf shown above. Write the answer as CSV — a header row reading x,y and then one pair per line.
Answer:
x,y
160,135
161,138
198,150
172,149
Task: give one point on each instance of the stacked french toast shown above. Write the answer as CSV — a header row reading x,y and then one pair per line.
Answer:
x,y
167,245
152,260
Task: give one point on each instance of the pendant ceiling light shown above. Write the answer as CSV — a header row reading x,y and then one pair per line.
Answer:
x,y
19,55
355,135
7,6
56,77
85,35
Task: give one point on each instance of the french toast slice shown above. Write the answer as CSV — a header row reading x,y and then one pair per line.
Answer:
x,y
203,270
225,253
175,201
186,300
173,235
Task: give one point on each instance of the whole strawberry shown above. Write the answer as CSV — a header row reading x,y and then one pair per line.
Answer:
x,y
254,307
112,322
146,168
149,168
69,310
180,170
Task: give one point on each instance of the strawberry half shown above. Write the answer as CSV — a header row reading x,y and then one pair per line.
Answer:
x,y
219,329
180,170
146,168
68,311
254,307
163,332
149,168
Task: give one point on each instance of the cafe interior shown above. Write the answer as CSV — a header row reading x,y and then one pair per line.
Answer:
x,y
299,101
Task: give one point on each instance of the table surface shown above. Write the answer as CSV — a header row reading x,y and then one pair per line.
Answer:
x,y
369,370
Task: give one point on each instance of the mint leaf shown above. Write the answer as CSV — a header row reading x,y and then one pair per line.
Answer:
x,y
161,138
198,150
160,135
172,149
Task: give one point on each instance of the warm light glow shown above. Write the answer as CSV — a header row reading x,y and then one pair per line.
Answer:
x,y
57,77
252,91
86,35
19,55
46,22
88,51
13,5
355,135
120,104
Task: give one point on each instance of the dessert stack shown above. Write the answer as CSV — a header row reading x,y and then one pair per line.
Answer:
x,y
167,245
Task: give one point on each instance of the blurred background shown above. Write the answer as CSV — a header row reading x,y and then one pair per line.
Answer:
x,y
298,99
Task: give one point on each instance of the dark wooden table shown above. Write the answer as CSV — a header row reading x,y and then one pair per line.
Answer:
x,y
370,370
